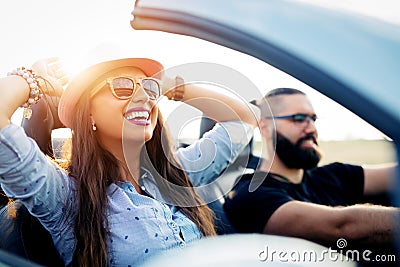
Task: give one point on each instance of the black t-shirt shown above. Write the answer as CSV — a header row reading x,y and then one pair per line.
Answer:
x,y
336,184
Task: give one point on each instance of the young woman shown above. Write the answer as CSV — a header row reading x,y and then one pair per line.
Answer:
x,y
123,196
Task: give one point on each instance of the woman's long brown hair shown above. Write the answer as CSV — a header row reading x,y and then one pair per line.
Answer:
x,y
93,168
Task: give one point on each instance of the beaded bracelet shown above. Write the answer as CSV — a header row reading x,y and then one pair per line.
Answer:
x,y
34,94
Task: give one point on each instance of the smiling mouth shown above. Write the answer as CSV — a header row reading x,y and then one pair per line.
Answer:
x,y
309,142
138,117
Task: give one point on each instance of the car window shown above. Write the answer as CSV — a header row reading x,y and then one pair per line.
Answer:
x,y
343,135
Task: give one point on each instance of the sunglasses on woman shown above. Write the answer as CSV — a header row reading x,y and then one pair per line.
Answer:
x,y
125,87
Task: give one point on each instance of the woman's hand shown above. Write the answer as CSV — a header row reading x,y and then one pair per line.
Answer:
x,y
54,79
52,84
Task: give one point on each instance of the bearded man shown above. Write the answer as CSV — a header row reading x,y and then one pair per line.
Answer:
x,y
297,198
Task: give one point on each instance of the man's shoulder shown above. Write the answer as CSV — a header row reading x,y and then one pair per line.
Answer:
x,y
247,177
260,178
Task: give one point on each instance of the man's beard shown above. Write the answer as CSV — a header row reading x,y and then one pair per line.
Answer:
x,y
294,156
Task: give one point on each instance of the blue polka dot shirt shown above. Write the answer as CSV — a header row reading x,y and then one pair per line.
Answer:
x,y
140,225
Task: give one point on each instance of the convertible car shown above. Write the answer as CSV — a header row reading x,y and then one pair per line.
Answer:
x,y
352,59
349,58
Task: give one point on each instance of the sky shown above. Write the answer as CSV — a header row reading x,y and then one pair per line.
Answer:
x,y
89,31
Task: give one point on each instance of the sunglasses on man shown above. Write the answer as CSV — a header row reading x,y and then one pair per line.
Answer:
x,y
298,118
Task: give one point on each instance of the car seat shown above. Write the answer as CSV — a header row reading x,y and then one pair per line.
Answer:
x,y
245,163
26,237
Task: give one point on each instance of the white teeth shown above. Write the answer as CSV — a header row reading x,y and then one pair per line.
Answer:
x,y
309,142
139,115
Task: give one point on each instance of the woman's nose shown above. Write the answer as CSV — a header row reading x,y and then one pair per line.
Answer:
x,y
140,94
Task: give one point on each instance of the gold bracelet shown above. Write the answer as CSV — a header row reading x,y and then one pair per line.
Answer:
x,y
179,91
34,94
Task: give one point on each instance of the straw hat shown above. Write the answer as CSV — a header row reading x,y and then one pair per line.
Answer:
x,y
84,80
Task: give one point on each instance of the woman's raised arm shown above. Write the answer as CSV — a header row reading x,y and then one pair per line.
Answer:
x,y
214,104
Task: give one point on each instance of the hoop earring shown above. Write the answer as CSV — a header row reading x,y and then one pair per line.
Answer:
x,y
94,126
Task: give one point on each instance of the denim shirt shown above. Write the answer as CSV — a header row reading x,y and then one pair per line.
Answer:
x,y
140,225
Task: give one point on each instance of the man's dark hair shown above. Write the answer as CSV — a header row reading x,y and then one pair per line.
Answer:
x,y
283,91
268,103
